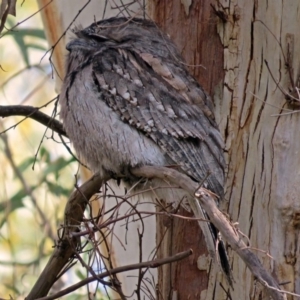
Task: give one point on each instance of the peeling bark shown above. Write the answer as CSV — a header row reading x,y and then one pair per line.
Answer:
x,y
262,149
195,34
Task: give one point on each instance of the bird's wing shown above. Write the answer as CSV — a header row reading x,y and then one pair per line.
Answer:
x,y
163,101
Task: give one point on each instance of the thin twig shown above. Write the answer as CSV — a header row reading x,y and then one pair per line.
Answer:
x,y
65,250
32,113
148,264
220,221
45,221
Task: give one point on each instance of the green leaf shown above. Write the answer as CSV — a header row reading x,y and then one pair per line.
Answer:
x,y
26,163
80,275
19,39
12,288
19,35
44,154
57,189
22,32
15,202
36,46
55,166
10,206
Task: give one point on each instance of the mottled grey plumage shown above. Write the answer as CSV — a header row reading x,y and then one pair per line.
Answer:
x,y
128,100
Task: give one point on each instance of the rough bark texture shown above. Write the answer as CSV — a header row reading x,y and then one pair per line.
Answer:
x,y
193,29
195,35
263,158
262,150
119,254
182,280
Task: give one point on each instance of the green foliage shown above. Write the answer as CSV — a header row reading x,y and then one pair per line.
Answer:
x,y
20,35
51,169
33,188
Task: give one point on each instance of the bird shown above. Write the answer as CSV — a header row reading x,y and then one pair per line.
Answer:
x,y
128,100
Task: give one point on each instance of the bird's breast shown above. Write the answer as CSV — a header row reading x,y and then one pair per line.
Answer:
x,y
99,136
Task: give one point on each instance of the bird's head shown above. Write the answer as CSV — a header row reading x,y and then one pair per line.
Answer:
x,y
130,33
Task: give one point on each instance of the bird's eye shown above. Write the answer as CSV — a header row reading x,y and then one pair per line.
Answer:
x,y
98,37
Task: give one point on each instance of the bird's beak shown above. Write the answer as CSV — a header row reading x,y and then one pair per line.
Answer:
x,y
80,44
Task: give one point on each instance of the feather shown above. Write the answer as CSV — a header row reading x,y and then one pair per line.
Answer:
x,y
128,100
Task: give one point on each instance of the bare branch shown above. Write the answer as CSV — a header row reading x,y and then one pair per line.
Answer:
x,y
79,200
32,113
219,220
65,249
148,264
74,214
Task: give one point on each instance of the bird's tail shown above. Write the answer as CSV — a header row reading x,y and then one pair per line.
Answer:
x,y
215,245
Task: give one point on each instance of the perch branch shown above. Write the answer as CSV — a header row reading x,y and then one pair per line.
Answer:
x,y
63,253
219,220
148,264
32,113
65,249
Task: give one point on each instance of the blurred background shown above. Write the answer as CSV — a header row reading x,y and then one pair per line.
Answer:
x,y
37,172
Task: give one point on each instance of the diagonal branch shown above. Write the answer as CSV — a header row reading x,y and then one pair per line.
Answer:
x,y
219,220
32,113
68,244
65,249
147,264
79,199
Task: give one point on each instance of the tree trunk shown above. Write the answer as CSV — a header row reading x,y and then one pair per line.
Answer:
x,y
261,151
193,29
233,42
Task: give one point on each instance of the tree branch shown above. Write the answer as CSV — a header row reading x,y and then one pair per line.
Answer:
x,y
148,264
79,199
219,220
32,113
65,249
